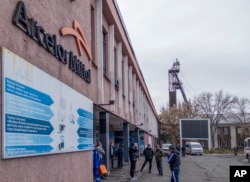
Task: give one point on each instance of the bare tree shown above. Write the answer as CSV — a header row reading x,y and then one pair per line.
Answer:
x,y
213,107
169,117
241,114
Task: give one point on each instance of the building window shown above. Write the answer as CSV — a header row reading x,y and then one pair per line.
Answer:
x,y
226,143
117,82
93,33
218,131
115,64
225,131
240,143
123,77
104,46
219,143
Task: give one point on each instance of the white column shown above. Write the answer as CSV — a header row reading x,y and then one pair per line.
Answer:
x,y
233,136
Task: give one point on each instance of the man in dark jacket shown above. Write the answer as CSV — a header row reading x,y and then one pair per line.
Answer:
x,y
133,155
148,154
111,153
174,163
96,165
120,156
158,158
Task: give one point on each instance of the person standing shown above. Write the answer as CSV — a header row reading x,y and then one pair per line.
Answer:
x,y
120,156
101,152
148,154
158,158
96,165
111,153
174,163
133,155
183,150
137,161
177,147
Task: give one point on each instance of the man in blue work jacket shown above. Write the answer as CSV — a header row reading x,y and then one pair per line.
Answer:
x,y
174,163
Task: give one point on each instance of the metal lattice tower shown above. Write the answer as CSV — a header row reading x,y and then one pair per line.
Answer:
x,y
175,83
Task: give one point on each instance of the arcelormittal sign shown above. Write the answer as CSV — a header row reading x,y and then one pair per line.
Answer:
x,y
49,42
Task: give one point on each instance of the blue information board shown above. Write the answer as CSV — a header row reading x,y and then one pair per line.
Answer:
x,y
41,115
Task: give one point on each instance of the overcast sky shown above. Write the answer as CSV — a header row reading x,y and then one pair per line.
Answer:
x,y
210,38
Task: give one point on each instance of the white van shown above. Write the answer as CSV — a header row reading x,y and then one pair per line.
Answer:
x,y
194,148
247,148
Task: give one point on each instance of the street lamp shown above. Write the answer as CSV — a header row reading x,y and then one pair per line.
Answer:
x,y
111,102
139,124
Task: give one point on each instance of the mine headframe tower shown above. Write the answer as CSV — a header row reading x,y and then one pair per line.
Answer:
x,y
175,83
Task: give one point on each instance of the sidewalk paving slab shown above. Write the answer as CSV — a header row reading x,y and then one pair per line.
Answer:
x,y
123,174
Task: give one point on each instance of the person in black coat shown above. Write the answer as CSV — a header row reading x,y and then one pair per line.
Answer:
x,y
148,154
119,153
133,155
111,153
174,163
183,150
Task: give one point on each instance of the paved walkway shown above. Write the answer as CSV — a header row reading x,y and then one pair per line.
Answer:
x,y
193,169
123,175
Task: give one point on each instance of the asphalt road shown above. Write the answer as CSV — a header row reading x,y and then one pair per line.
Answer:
x,y
206,168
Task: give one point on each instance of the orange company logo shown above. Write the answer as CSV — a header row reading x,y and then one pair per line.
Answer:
x,y
77,32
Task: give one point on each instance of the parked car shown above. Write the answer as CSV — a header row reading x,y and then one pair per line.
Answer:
x,y
165,146
194,148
